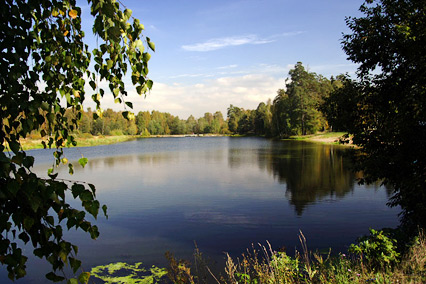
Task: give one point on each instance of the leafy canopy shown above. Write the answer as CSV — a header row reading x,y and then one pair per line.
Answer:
x,y
388,116
44,65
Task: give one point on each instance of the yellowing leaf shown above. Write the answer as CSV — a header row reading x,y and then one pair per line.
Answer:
x,y
84,277
65,33
55,13
73,14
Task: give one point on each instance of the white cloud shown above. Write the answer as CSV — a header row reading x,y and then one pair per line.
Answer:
x,y
212,95
218,43
228,66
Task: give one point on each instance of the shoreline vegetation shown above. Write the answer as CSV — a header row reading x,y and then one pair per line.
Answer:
x,y
377,258
88,140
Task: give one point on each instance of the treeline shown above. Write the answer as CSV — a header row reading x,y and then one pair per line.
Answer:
x,y
151,123
298,109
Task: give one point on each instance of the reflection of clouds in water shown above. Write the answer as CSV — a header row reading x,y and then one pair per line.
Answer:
x,y
235,168
223,218
225,193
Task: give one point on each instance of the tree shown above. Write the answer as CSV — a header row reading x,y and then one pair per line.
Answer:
x,y
295,110
218,122
340,106
388,42
142,120
234,115
262,120
191,124
281,115
305,90
43,62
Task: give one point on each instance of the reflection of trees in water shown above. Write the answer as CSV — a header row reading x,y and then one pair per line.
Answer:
x,y
311,172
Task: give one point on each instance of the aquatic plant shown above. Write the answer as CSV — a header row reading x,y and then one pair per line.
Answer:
x,y
121,272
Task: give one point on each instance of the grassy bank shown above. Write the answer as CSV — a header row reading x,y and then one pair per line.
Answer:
x,y
87,140
322,137
82,141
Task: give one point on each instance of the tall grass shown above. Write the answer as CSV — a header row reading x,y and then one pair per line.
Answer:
x,y
261,264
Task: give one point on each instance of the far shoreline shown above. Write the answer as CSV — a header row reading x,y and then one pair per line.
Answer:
x,y
330,138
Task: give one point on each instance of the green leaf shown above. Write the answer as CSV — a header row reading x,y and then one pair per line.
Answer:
x,y
128,13
50,220
94,208
116,92
70,169
68,97
53,176
28,223
13,187
55,278
150,44
92,84
94,233
139,45
24,237
109,64
14,146
45,106
86,195
77,189
72,281
83,161
146,56
104,209
28,161
84,277
129,104
75,264
92,188
35,203
149,84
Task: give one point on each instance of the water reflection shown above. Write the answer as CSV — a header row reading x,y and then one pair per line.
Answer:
x,y
310,172
225,193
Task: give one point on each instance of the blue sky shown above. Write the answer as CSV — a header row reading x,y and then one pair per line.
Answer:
x,y
210,54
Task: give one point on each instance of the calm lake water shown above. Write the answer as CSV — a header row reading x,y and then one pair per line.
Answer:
x,y
164,194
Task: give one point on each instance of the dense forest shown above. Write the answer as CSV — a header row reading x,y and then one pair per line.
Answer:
x,y
296,110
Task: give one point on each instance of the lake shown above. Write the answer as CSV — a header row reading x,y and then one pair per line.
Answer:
x,y
224,193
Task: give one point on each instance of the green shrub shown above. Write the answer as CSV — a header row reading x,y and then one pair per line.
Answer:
x,y
116,132
378,249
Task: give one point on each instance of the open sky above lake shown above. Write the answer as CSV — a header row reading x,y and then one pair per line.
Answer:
x,y
210,54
